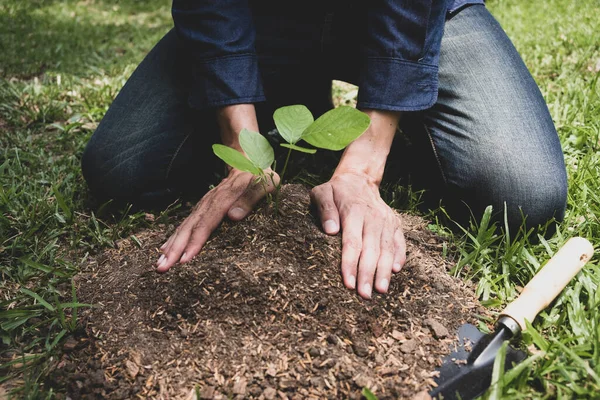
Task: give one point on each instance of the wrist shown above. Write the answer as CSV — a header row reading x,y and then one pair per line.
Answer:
x,y
367,155
232,119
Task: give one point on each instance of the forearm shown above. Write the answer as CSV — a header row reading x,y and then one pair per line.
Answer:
x,y
232,119
368,154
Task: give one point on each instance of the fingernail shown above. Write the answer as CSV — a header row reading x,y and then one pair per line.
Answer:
x,y
237,212
160,260
330,226
367,289
383,284
351,281
397,267
183,256
163,246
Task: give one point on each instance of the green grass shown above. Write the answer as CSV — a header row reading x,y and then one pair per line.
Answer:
x,y
561,45
62,63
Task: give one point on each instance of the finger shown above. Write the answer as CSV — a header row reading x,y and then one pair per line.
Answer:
x,y
200,235
386,259
322,197
165,249
399,250
209,213
351,247
211,210
369,257
172,256
169,241
246,202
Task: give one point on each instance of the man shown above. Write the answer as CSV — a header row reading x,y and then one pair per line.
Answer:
x,y
444,73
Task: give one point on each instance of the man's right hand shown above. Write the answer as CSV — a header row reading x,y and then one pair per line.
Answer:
x,y
234,197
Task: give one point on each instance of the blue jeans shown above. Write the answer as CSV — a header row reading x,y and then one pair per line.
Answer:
x,y
489,139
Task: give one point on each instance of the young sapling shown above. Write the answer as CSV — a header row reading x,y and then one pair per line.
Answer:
x,y
334,130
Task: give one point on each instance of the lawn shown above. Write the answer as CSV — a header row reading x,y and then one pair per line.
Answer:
x,y
61,64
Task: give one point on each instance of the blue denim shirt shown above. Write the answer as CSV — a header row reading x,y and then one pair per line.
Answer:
x,y
399,56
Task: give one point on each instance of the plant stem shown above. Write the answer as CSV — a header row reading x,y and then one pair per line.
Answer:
x,y
263,182
278,185
287,159
277,189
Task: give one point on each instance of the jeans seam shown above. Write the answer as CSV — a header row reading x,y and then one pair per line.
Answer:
x,y
175,156
436,155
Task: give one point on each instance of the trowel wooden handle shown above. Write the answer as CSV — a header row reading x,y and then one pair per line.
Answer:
x,y
550,280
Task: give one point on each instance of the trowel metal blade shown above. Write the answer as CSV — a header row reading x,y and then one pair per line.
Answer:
x,y
461,380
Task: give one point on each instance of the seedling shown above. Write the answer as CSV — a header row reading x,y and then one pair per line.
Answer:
x,y
333,130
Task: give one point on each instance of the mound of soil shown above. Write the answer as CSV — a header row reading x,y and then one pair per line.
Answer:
x,y
261,313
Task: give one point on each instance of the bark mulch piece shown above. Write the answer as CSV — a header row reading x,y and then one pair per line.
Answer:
x,y
261,313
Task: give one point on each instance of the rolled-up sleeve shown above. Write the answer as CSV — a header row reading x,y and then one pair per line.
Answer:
x,y
401,54
220,38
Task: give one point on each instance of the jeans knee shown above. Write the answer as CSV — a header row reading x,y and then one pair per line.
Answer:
x,y
521,199
128,174
106,178
536,201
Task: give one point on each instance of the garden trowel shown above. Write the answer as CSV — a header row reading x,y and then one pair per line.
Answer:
x,y
466,373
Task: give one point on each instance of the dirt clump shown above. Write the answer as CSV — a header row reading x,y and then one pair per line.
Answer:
x,y
261,313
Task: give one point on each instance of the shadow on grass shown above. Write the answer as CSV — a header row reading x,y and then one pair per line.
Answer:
x,y
78,38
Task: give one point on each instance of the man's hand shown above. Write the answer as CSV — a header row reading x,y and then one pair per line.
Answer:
x,y
373,244
234,197
372,240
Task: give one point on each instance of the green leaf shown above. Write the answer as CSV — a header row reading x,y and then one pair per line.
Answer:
x,y
136,241
62,203
74,305
235,159
35,265
50,346
536,337
61,314
41,267
522,366
74,296
368,395
495,392
337,128
3,166
583,364
38,298
483,232
10,314
302,149
257,148
5,339
291,121
10,325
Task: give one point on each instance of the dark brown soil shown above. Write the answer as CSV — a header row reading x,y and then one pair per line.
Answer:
x,y
261,313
